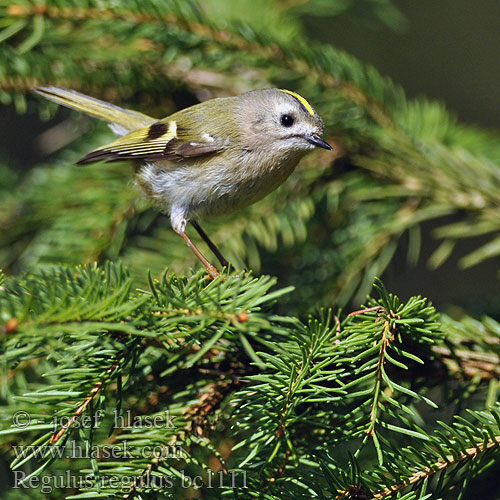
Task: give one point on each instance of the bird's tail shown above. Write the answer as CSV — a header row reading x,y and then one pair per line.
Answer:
x,y
121,121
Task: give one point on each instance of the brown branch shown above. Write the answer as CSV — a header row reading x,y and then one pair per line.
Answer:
x,y
81,408
241,317
18,84
387,337
354,492
363,311
197,80
470,453
470,363
85,13
196,416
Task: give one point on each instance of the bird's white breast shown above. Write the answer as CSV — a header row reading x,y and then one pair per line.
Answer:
x,y
205,189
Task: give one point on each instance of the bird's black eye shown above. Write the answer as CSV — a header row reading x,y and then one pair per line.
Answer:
x,y
287,120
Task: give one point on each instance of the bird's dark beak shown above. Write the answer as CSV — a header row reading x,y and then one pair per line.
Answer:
x,y
316,140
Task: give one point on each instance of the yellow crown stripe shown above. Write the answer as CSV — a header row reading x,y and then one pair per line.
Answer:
x,y
300,99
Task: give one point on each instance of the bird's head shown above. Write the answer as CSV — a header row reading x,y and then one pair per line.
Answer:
x,y
281,120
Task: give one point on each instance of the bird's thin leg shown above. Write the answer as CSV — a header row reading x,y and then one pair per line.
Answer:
x,y
212,271
211,244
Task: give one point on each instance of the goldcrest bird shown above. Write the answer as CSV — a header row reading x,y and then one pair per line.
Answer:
x,y
209,159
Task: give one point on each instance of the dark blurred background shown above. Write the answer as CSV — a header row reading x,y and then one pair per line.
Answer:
x,y
448,50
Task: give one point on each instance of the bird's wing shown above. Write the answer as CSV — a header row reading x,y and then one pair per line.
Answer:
x,y
163,140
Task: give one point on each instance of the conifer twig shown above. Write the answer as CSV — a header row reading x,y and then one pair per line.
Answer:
x,y
486,364
196,416
469,454
387,337
363,311
83,405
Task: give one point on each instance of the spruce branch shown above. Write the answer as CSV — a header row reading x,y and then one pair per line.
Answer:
x,y
323,375
387,336
197,415
470,363
469,454
468,441
195,431
472,349
88,400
